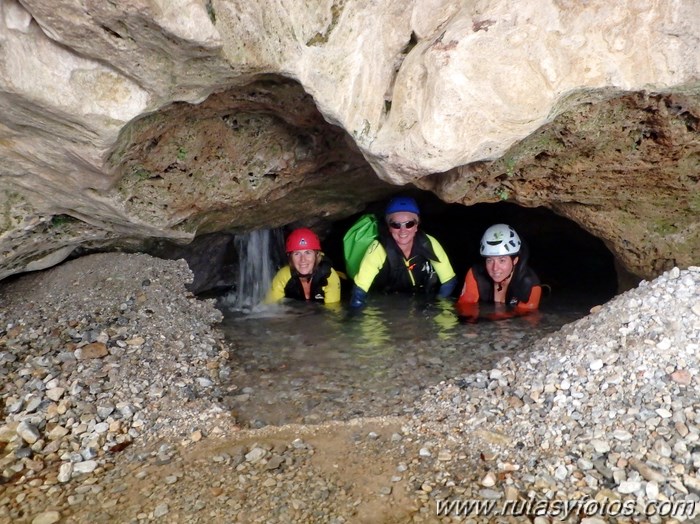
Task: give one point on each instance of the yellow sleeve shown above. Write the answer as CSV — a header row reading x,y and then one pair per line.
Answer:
x,y
443,269
371,264
279,282
331,291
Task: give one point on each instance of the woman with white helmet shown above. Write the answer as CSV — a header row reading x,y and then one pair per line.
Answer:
x,y
503,278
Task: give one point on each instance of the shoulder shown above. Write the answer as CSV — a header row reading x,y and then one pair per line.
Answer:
x,y
325,266
375,245
433,241
435,250
284,274
478,272
376,249
528,276
435,244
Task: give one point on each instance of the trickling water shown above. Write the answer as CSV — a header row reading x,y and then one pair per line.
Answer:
x,y
256,267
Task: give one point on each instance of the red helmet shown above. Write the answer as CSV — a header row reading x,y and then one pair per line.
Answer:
x,y
301,239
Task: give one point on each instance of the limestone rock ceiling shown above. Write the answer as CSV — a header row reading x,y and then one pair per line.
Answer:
x,y
127,121
256,156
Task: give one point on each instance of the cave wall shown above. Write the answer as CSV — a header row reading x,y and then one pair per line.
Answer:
x,y
626,169
124,122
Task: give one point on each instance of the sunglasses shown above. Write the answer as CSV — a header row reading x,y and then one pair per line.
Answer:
x,y
409,224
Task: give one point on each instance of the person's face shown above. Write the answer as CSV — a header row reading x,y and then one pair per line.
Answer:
x,y
303,261
500,268
405,234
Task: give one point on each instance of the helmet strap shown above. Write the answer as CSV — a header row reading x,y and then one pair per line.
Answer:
x,y
500,284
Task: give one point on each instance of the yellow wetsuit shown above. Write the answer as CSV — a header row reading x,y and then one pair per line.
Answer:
x,y
284,286
376,256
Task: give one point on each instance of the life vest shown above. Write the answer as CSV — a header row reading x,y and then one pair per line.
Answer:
x,y
319,279
394,275
519,289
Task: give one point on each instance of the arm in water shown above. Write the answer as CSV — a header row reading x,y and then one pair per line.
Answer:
x,y
331,290
358,297
276,291
447,288
469,312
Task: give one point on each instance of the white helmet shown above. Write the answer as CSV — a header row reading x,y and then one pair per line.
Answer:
x,y
499,240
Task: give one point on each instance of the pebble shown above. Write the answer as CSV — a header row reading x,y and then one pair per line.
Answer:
x,y
255,455
65,472
664,413
490,494
47,517
629,486
275,462
444,455
161,510
623,435
646,471
489,480
600,446
104,357
92,351
652,490
57,433
681,376
561,473
596,364
55,394
29,432
86,466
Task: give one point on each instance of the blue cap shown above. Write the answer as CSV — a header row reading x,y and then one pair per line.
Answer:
x,y
402,204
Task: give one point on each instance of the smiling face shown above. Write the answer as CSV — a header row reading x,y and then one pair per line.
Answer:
x,y
404,235
500,268
303,260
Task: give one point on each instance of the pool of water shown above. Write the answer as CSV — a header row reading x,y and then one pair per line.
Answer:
x,y
306,363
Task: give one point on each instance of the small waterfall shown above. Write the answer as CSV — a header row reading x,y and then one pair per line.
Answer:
x,y
257,264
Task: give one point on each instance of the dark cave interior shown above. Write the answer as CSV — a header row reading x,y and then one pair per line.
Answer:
x,y
568,259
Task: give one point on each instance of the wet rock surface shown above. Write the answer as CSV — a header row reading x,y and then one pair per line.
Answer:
x,y
134,426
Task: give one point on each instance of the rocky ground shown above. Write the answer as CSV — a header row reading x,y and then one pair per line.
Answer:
x,y
114,412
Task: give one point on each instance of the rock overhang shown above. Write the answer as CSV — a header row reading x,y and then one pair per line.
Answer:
x,y
149,122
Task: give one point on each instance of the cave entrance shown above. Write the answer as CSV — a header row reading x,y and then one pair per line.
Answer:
x,y
296,362
574,264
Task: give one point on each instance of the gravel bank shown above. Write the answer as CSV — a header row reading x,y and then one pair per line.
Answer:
x,y
96,354
111,396
607,409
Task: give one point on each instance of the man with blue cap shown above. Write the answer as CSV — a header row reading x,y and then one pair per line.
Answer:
x,y
403,259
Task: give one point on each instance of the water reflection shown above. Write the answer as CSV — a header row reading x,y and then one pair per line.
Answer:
x,y
368,330
297,362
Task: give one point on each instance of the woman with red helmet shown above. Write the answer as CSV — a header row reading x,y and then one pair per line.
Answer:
x,y
309,275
